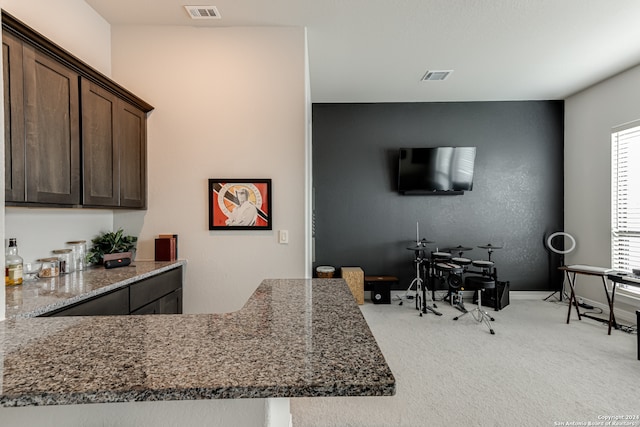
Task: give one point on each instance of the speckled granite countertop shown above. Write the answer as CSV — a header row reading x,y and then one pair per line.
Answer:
x,y
293,338
37,297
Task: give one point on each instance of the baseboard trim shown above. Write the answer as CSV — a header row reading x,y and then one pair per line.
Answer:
x,y
528,295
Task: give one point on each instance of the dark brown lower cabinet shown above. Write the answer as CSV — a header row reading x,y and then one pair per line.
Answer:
x,y
114,303
160,294
168,304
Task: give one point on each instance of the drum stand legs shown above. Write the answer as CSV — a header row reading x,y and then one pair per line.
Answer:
x,y
424,307
407,293
479,314
458,302
421,293
420,289
417,281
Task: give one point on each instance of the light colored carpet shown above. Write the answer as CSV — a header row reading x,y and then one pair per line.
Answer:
x,y
536,371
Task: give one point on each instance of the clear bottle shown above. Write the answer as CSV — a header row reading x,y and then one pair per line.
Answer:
x,y
13,264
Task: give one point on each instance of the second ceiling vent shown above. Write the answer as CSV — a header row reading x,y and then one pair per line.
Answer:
x,y
436,75
203,12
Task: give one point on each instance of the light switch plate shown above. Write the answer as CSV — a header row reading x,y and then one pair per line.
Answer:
x,y
283,237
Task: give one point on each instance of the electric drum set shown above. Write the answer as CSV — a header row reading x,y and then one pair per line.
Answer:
x,y
449,267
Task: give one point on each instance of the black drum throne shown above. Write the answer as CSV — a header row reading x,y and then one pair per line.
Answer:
x,y
450,270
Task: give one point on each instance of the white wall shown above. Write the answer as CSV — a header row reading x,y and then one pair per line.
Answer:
x,y
229,103
41,230
589,117
72,24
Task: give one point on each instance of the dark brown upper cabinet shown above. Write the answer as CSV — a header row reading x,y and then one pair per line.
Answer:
x,y
114,149
133,156
73,137
52,129
42,128
14,171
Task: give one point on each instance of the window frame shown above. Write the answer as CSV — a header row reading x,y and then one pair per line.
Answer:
x,y
625,200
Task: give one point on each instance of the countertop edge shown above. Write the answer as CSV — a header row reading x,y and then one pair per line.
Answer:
x,y
97,292
249,392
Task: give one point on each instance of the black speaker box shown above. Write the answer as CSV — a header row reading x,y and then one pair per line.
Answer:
x,y
115,263
489,296
381,293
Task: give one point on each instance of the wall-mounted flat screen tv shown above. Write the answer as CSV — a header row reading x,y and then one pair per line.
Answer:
x,y
436,170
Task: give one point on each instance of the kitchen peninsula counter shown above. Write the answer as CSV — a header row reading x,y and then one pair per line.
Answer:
x,y
293,338
37,297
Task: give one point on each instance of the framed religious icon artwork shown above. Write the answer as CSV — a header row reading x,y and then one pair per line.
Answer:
x,y
240,204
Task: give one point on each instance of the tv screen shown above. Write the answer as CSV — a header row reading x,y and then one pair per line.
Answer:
x,y
436,169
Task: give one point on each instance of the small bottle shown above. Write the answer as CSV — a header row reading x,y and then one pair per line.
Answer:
x,y
13,265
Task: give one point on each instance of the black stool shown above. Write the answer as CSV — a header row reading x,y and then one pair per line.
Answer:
x,y
479,283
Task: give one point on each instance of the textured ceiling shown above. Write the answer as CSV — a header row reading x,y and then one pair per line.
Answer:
x,y
377,51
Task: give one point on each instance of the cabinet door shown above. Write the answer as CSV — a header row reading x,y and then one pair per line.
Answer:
x,y
168,304
52,130
151,308
171,303
114,150
132,137
14,166
99,146
151,289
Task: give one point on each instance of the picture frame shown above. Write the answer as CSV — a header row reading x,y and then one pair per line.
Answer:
x,y
240,204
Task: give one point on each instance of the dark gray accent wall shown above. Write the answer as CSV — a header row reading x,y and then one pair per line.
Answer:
x,y
517,197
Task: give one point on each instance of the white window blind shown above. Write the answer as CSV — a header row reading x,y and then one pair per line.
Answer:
x,y
625,197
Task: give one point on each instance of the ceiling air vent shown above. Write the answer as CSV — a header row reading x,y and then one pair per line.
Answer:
x,y
436,75
203,12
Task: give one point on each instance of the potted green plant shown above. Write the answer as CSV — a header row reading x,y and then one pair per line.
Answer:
x,y
111,242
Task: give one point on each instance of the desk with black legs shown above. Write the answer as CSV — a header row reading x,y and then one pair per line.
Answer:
x,y
571,271
618,279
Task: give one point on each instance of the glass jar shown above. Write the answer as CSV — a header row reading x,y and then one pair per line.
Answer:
x,y
67,262
50,267
79,248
